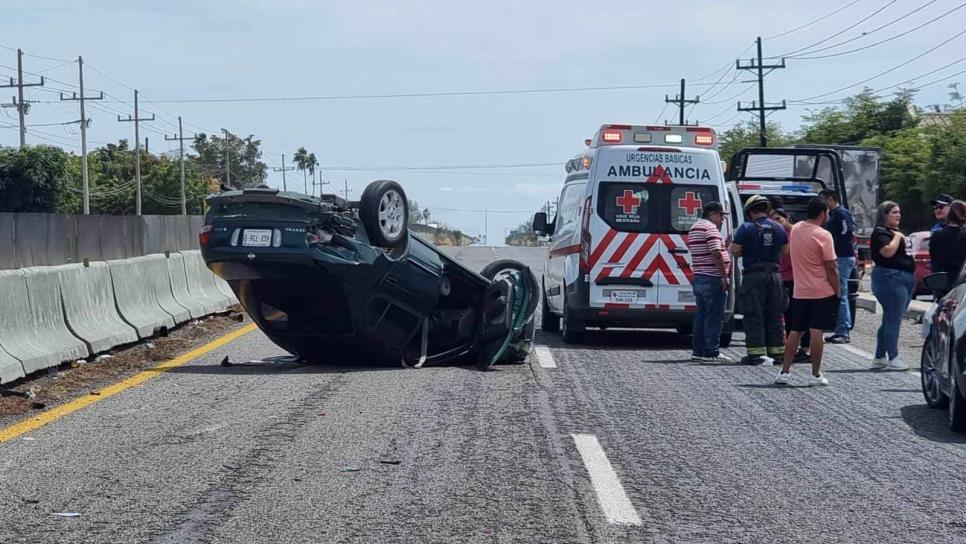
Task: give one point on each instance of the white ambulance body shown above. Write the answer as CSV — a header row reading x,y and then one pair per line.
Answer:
x,y
618,254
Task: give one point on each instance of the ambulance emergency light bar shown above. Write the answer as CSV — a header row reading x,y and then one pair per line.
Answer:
x,y
657,134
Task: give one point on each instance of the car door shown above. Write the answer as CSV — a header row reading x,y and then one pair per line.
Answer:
x,y
565,242
672,272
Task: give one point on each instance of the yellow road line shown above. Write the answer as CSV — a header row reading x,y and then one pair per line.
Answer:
x,y
28,425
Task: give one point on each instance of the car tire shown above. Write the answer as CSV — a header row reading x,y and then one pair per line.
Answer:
x,y
725,340
930,376
384,212
549,321
957,407
571,329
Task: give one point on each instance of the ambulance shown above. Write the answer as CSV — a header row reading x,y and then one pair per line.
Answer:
x,y
618,254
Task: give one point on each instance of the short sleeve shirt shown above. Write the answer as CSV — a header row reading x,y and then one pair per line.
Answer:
x,y
811,247
760,241
703,239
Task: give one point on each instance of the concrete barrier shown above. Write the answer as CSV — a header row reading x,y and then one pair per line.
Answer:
x,y
89,306
153,270
179,286
225,289
201,283
10,368
32,320
136,300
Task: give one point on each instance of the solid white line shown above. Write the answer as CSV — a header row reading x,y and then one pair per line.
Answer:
x,y
610,493
544,357
856,351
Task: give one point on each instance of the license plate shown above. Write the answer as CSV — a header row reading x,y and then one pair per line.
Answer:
x,y
685,296
257,238
623,297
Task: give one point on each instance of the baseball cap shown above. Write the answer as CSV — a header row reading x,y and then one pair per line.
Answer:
x,y
712,207
944,199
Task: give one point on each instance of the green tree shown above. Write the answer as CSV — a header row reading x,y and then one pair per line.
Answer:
x,y
862,116
247,170
32,178
746,135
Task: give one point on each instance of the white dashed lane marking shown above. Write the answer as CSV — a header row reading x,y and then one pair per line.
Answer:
x,y
610,493
544,357
856,351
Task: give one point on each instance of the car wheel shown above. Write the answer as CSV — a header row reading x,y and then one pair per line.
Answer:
x,y
384,212
957,407
571,329
549,321
932,383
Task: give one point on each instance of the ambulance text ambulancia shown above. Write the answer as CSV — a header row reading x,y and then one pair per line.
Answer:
x,y
618,255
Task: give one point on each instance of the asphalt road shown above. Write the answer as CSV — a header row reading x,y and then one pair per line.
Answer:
x,y
280,452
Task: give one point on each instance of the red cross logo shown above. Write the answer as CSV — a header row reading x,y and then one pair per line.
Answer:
x,y
690,203
659,176
628,201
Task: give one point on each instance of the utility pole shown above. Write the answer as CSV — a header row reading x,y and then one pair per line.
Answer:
x,y
486,237
321,184
283,169
18,102
180,137
250,156
681,103
346,190
760,106
137,149
83,130
227,159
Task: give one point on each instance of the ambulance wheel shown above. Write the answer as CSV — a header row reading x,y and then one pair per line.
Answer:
x,y
571,329
384,212
549,321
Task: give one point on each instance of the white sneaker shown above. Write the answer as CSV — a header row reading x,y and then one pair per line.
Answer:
x,y
896,364
817,380
880,362
782,378
767,361
720,358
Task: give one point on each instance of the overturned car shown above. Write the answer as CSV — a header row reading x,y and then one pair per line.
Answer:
x,y
342,282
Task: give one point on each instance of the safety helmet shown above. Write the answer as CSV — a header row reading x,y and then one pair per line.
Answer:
x,y
754,200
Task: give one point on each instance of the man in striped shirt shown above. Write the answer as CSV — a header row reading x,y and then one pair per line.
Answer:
x,y
711,265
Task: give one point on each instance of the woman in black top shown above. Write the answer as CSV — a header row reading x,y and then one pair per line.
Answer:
x,y
893,282
947,247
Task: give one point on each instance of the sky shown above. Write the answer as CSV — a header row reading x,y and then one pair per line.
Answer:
x,y
512,147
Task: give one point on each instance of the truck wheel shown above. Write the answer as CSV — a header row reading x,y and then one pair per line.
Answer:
x,y
549,321
384,212
571,329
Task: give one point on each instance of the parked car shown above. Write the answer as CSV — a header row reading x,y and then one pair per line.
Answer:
x,y
334,281
919,249
943,358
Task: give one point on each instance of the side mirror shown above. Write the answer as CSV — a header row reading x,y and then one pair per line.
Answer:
x,y
540,224
937,282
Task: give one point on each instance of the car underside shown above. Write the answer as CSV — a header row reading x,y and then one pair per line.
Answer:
x,y
334,282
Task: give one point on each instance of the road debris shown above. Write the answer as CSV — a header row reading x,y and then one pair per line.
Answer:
x,y
349,469
390,461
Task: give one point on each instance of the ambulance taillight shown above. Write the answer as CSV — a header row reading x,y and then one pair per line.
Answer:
x,y
585,239
704,139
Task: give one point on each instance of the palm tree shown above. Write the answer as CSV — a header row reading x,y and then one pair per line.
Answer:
x,y
301,159
310,164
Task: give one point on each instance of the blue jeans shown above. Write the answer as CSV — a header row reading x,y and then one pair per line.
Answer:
x,y
710,298
844,324
893,288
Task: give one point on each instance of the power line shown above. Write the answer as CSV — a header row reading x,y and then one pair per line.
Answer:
x,y
844,30
922,86
424,94
820,19
889,39
884,72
